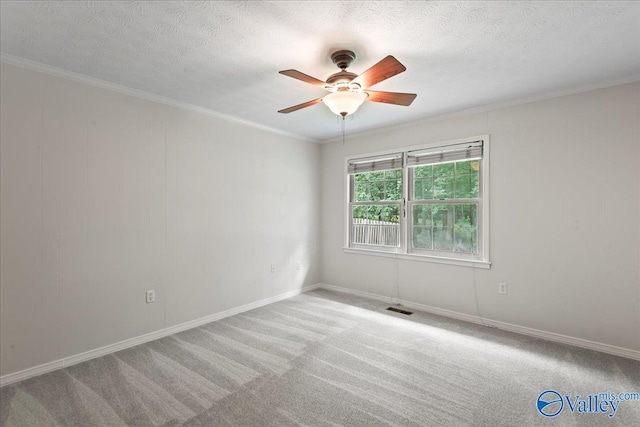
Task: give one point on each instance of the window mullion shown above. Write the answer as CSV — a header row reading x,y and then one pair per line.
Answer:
x,y
446,201
380,202
404,220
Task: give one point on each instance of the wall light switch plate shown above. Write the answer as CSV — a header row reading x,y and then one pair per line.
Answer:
x,y
502,288
151,296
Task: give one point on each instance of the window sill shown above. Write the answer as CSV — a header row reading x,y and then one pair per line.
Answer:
x,y
486,265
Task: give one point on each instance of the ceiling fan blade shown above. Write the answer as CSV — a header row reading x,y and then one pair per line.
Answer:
x,y
304,77
384,69
396,98
300,106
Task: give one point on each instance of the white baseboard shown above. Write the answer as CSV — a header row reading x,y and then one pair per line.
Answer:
x,y
112,348
549,336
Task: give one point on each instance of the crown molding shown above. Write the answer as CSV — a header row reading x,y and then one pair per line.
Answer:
x,y
37,66
486,108
92,81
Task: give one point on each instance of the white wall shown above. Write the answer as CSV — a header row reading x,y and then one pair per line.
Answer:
x,y
565,209
104,196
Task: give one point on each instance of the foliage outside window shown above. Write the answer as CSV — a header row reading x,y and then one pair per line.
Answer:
x,y
439,212
451,226
375,211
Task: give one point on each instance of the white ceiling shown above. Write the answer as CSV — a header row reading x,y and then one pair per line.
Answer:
x,y
225,56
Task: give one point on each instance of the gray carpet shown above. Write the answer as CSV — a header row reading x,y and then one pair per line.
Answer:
x,y
325,359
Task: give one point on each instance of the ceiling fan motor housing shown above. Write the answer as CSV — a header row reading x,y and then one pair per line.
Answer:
x,y
343,58
341,77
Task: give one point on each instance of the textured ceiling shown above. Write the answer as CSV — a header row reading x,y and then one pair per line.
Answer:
x,y
225,56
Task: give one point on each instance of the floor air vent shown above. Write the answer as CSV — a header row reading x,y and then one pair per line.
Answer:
x,y
399,310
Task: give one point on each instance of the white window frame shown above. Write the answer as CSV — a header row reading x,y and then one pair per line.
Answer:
x,y
404,251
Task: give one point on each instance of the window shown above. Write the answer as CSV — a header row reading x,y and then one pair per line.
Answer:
x,y
427,202
376,205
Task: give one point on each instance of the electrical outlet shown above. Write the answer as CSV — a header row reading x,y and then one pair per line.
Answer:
x,y
298,266
273,268
502,288
151,296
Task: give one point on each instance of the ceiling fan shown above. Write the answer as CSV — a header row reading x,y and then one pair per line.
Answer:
x,y
347,91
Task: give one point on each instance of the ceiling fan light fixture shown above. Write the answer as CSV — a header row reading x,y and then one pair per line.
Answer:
x,y
348,90
344,102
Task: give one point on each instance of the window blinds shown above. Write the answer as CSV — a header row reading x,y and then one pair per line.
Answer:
x,y
445,154
374,164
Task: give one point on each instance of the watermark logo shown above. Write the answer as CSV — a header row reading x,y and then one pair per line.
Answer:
x,y
550,403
